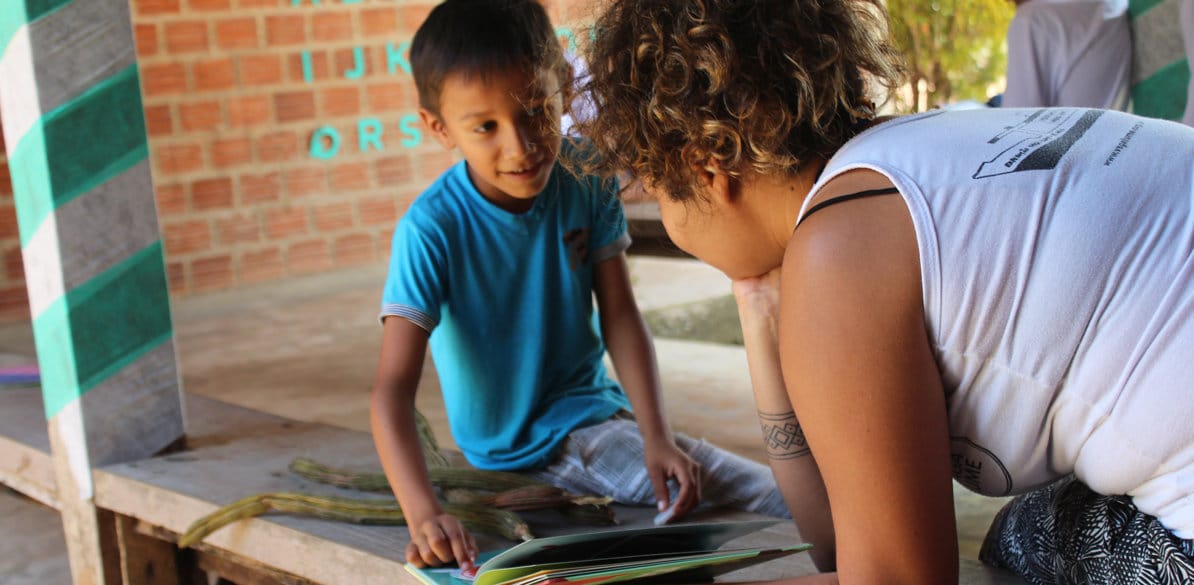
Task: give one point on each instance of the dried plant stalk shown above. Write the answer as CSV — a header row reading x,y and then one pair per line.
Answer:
x,y
357,511
442,477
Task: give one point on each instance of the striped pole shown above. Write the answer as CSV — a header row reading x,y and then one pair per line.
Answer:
x,y
1160,69
75,133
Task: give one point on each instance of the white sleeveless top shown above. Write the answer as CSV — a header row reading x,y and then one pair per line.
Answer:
x,y
1057,259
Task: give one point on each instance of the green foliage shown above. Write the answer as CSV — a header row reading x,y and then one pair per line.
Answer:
x,y
954,48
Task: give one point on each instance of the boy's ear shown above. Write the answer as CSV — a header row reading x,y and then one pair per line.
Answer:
x,y
435,125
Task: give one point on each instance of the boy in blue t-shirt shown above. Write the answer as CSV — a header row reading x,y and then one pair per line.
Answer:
x,y
496,266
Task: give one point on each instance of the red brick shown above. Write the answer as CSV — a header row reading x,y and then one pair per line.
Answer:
x,y
248,111
203,115
332,26
237,33
340,101
14,304
332,217
209,5
186,237
178,158
187,36
171,199
214,74
353,249
238,229
211,193
14,264
385,243
257,189
308,256
349,177
262,4
294,105
147,7
5,178
176,277
383,97
260,69
303,181
231,152
262,265
413,15
319,66
214,273
283,223
8,222
158,121
345,60
163,79
145,36
285,30
375,210
379,22
393,170
278,146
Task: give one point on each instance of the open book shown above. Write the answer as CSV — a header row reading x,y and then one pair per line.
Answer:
x,y
690,551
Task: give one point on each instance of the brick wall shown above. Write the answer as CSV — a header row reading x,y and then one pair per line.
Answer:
x,y
283,134
14,302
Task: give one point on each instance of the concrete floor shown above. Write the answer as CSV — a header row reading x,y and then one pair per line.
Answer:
x,y
307,349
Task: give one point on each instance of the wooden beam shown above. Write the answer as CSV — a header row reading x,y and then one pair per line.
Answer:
x,y
74,129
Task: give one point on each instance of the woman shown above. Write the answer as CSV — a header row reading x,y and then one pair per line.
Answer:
x,y
999,296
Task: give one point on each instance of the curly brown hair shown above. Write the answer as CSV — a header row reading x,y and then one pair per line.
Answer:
x,y
755,85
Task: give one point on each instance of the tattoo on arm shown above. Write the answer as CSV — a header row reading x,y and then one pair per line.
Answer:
x,y
782,435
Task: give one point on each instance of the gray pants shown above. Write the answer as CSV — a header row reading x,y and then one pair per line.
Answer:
x,y
607,459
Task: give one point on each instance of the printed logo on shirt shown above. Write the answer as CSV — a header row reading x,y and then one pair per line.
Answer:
x,y
978,469
577,241
1038,141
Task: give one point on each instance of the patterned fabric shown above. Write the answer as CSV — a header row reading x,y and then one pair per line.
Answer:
x,y
607,459
1067,534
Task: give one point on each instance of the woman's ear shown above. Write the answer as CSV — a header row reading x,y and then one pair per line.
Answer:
x,y
716,184
435,125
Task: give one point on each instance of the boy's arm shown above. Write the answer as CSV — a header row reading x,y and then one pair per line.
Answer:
x,y
633,355
436,537
791,460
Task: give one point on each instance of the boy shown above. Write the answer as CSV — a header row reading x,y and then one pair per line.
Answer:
x,y
496,266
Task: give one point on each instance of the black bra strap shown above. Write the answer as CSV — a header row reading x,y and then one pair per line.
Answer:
x,y
841,198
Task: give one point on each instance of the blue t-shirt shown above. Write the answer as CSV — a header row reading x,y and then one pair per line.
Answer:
x,y
508,300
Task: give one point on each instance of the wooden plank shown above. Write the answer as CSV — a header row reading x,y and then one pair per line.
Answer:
x,y
93,257
145,560
25,461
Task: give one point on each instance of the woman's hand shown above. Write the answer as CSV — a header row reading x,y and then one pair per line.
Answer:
x,y
758,297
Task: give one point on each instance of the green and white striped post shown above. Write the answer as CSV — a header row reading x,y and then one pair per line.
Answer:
x,y
75,133
1160,69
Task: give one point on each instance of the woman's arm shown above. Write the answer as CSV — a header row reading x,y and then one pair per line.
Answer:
x,y
859,369
788,454
633,355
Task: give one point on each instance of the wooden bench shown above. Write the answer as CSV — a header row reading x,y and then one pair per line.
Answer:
x,y
233,452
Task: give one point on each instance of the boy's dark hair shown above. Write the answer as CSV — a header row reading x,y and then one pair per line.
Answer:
x,y
754,85
481,38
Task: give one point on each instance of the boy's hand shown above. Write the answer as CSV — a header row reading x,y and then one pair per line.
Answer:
x,y
440,540
666,462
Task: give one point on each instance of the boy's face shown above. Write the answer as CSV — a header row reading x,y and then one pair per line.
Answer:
x,y
507,126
